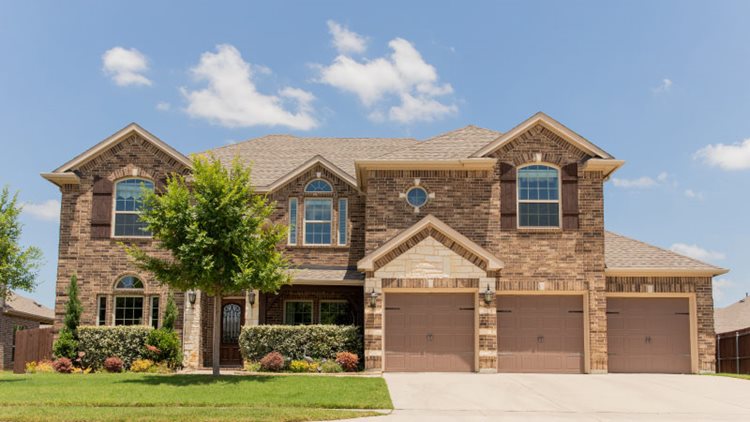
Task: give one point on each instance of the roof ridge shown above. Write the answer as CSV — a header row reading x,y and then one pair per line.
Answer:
x,y
663,249
441,135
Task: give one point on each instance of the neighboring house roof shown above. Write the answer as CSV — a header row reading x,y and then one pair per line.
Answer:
x,y
626,256
28,308
453,145
733,318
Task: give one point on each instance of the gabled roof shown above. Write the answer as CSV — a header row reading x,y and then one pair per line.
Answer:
x,y
629,257
316,160
551,124
368,262
26,307
734,317
456,144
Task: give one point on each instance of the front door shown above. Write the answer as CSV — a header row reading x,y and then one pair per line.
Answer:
x,y
232,319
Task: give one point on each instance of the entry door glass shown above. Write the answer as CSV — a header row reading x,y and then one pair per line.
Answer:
x,y
230,327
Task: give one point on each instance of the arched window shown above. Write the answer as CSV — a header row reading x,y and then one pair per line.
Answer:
x,y
538,196
129,282
318,185
129,305
128,205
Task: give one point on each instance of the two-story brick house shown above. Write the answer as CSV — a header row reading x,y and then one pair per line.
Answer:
x,y
471,251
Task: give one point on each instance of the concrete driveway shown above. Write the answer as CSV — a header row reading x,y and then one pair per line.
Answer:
x,y
529,397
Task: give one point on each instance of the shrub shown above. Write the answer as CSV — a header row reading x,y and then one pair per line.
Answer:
x,y
63,365
113,364
170,314
165,347
66,345
348,361
161,368
41,367
301,366
272,362
141,365
330,367
251,366
298,341
98,343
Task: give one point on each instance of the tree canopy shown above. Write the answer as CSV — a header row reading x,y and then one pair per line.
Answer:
x,y
18,265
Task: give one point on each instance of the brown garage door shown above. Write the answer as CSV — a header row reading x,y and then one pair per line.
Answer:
x,y
540,334
429,332
648,335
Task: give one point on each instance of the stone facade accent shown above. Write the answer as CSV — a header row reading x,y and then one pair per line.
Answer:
x,y
429,259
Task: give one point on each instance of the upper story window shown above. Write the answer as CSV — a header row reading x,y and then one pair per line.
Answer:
x,y
129,282
318,185
318,215
416,197
538,196
292,221
128,205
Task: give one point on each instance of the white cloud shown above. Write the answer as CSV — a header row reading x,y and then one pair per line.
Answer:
x,y
231,98
728,157
345,40
695,251
719,286
665,86
48,210
402,79
693,194
125,66
643,182
163,106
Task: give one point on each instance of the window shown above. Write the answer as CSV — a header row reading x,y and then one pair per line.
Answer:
x,y
318,185
16,328
335,312
101,315
129,282
292,221
128,205
298,312
128,310
416,197
318,221
343,210
538,196
155,311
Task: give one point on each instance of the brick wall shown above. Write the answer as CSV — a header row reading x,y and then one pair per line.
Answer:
x,y
7,323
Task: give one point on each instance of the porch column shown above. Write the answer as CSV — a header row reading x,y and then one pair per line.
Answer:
x,y
487,327
191,333
252,311
373,325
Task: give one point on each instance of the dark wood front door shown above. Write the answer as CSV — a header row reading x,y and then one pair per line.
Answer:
x,y
232,319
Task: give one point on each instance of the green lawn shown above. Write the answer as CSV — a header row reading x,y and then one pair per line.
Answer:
x,y
741,376
113,397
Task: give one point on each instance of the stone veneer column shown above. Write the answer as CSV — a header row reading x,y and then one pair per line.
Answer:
x,y
487,328
373,326
252,312
191,334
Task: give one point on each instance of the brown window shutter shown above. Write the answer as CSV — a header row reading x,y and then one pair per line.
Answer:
x,y
507,197
570,196
101,208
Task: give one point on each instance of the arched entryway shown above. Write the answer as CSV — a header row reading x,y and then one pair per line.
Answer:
x,y
232,320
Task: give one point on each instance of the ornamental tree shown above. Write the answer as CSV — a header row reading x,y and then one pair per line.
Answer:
x,y
218,232
18,265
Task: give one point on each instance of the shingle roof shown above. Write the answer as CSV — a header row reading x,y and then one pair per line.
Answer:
x,y
624,252
327,274
18,304
733,317
274,156
456,144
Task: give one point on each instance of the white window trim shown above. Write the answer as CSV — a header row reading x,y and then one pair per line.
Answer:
x,y
99,298
312,309
115,212
319,192
539,201
345,216
151,311
114,308
296,222
320,308
305,221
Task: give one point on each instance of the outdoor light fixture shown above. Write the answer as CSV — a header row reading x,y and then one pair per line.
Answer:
x,y
191,297
488,295
373,298
251,297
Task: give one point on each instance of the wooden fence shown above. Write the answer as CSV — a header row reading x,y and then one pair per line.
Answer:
x,y
32,345
733,352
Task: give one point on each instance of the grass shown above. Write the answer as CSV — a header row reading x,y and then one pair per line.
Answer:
x,y
740,376
148,397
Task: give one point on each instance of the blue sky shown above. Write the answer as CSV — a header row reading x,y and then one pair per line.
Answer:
x,y
660,84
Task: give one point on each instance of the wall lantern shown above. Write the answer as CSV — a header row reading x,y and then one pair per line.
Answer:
x,y
373,298
191,296
487,295
251,297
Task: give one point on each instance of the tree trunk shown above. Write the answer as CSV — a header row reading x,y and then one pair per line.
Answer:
x,y
216,340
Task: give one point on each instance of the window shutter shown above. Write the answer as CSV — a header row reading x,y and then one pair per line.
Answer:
x,y
160,185
101,208
507,197
570,196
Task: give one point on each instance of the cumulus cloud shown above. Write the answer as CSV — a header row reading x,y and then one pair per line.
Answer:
x,y
231,98
346,41
719,287
695,251
403,79
126,66
726,156
48,210
643,182
664,86
163,106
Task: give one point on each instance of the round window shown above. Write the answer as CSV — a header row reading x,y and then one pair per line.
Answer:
x,y
416,197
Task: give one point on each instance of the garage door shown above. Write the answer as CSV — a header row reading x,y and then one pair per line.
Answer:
x,y
429,332
540,334
648,335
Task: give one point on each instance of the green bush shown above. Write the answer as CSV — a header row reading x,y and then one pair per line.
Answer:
x,y
66,346
170,313
168,344
98,343
330,367
297,341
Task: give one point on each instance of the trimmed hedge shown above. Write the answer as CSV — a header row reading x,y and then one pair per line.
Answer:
x,y
125,342
297,341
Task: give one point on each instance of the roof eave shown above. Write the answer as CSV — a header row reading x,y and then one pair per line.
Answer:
x,y
62,179
606,166
454,164
663,272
